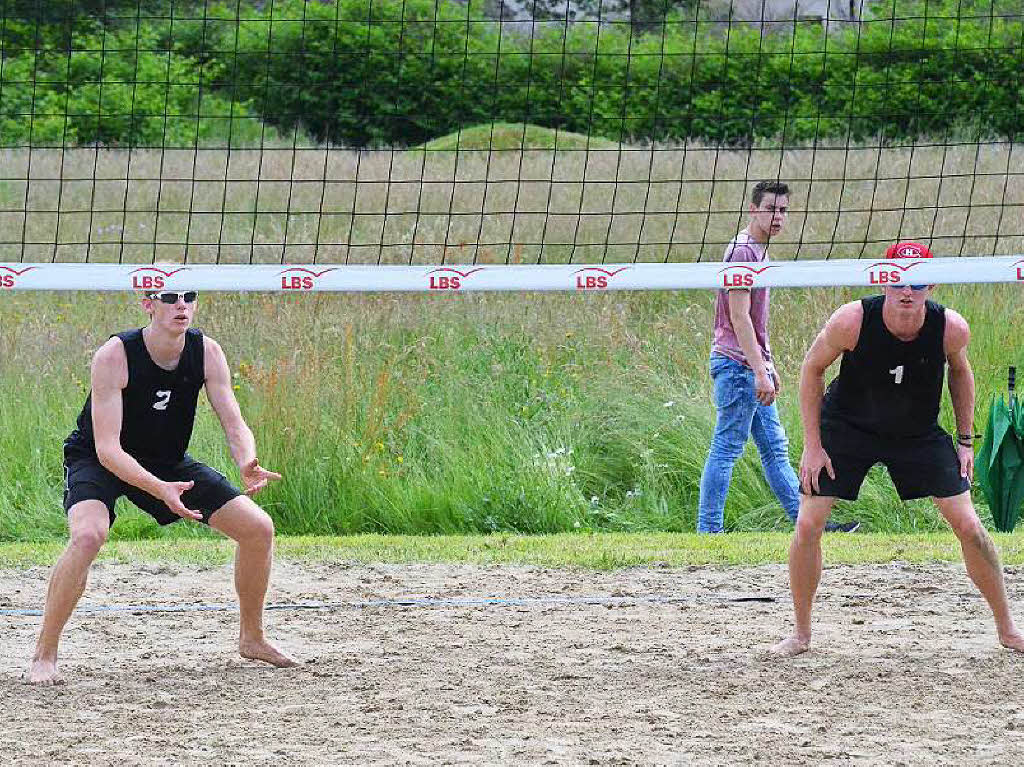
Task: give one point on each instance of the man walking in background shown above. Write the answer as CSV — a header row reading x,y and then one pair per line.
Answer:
x,y
131,440
884,408
745,378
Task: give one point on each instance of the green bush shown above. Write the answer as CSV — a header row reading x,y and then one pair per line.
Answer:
x,y
402,72
117,87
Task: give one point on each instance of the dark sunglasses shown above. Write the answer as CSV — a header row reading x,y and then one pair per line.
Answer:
x,y
170,297
915,288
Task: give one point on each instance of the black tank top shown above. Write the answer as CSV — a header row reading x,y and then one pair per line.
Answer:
x,y
159,406
888,387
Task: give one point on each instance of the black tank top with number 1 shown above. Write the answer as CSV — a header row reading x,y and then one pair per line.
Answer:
x,y
159,406
888,387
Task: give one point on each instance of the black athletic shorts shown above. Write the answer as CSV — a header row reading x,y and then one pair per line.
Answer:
x,y
85,479
920,467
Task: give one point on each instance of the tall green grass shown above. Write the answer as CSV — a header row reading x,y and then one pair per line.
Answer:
x,y
453,414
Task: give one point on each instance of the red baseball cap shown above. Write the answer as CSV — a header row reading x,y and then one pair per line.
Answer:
x,y
908,250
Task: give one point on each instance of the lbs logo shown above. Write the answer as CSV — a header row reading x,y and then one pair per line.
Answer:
x,y
299,278
152,278
1019,266
595,278
888,272
9,276
447,278
741,275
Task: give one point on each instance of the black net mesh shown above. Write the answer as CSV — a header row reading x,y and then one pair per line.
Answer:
x,y
424,132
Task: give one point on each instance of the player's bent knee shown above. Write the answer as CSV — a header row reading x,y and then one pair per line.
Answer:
x,y
262,526
967,526
258,530
242,520
88,539
88,524
809,527
814,511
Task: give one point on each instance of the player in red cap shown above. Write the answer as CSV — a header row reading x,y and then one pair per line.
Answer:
x,y
907,250
883,408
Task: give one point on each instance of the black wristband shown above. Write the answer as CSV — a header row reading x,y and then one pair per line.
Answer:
x,y
968,435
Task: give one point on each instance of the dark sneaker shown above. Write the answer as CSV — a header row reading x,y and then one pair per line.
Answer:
x,y
841,527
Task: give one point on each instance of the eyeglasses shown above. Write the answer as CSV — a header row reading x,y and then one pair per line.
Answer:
x,y
915,288
170,297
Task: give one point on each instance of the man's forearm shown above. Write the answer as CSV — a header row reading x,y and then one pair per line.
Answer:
x,y
127,469
812,390
961,391
242,444
744,330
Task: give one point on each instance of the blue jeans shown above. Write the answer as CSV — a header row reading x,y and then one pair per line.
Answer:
x,y
740,416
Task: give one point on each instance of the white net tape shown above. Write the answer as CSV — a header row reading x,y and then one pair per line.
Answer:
x,y
560,277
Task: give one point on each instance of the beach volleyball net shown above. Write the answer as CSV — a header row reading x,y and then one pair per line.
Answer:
x,y
542,145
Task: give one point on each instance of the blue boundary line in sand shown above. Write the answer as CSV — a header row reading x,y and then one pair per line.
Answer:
x,y
408,602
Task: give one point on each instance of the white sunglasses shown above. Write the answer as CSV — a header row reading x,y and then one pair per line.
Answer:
x,y
171,297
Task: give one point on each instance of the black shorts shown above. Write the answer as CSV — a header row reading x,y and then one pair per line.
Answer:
x,y
85,479
920,467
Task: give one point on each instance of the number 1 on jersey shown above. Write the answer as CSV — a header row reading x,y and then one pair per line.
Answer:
x,y
898,372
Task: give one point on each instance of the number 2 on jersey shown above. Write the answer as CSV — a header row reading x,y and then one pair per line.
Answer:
x,y
164,396
898,372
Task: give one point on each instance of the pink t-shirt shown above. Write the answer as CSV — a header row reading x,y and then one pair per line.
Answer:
x,y
743,249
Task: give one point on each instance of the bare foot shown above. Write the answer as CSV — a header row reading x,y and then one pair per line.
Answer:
x,y
44,672
794,645
266,652
1013,640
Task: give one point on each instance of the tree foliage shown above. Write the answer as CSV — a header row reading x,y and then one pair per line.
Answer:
x,y
400,72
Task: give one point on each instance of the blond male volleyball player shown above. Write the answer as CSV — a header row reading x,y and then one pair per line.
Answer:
x,y
883,408
131,440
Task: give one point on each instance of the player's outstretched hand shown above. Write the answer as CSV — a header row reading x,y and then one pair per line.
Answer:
x,y
256,477
172,497
812,462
